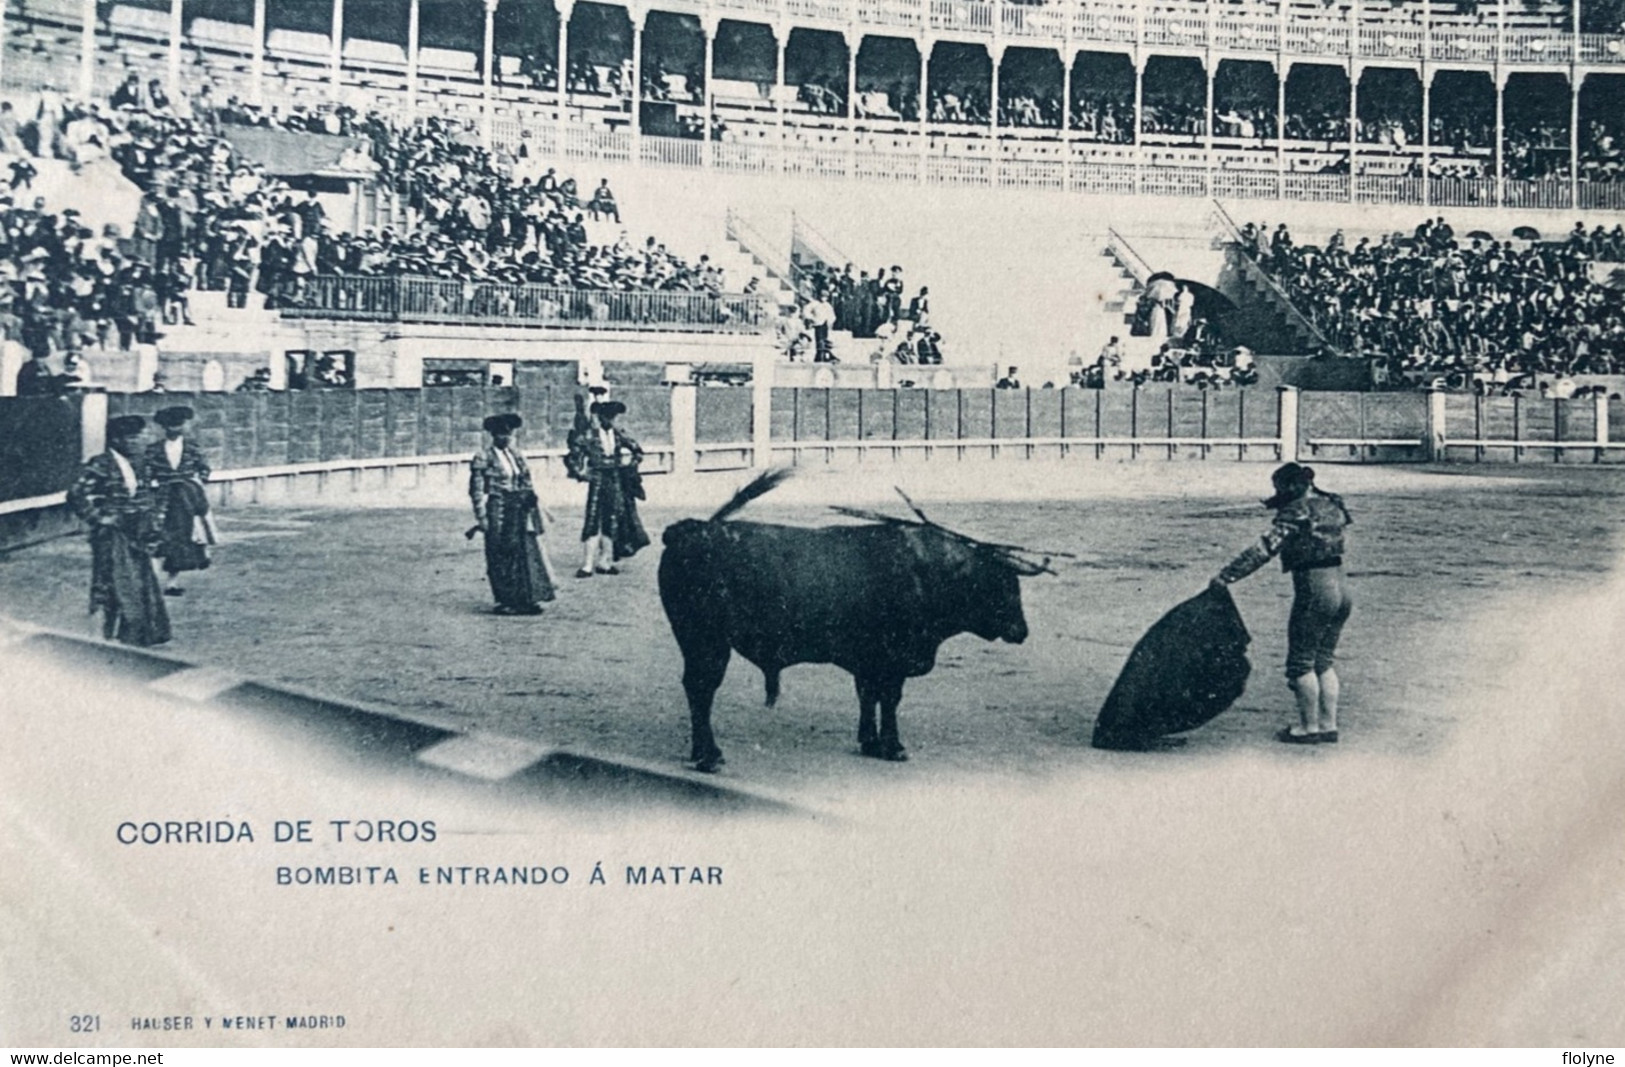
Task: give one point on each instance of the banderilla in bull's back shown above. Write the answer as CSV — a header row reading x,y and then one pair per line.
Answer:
x,y
876,600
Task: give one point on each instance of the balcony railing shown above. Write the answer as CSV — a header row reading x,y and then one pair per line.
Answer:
x,y
1306,27
452,301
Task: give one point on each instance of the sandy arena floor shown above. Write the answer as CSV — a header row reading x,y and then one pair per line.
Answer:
x,y
388,603
1449,874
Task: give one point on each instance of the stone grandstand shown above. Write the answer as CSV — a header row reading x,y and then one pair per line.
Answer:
x,y
1520,105
1039,284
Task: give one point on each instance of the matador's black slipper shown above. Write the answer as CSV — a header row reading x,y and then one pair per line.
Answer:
x,y
1286,736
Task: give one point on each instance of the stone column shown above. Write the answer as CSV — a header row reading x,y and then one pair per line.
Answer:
x,y
1282,69
1577,81
488,85
1354,129
1286,422
854,42
414,24
1207,120
995,55
781,41
708,25
177,26
563,7
336,61
1427,133
636,16
926,44
1500,134
683,434
1433,446
256,57
1139,101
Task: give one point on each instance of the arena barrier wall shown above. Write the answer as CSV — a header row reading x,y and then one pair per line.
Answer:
x,y
43,440
319,443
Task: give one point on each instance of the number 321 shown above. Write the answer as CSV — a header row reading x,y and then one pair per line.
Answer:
x,y
84,1024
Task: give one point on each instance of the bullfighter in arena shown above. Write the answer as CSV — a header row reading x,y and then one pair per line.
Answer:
x,y
179,472
113,495
507,512
610,457
1308,536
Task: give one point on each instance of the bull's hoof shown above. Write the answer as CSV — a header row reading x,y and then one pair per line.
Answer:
x,y
892,752
709,764
871,749
895,754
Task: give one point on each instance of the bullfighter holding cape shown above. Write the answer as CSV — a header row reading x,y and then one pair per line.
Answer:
x,y
609,458
179,472
507,511
113,495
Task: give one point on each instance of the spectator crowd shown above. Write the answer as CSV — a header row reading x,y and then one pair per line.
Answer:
x,y
1429,307
211,219
872,308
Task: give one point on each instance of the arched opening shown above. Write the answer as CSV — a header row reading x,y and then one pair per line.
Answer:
x,y
1102,104
1175,99
1244,101
1030,89
888,79
960,80
815,63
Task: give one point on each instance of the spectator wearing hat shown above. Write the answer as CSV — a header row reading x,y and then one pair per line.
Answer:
x,y
179,473
508,513
35,377
113,496
23,173
612,530
603,203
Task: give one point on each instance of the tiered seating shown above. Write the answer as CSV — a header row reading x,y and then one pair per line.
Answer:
x,y
1438,307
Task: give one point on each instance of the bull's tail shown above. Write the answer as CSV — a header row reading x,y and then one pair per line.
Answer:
x,y
762,484
771,678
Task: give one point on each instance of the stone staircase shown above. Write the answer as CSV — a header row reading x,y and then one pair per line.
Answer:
x,y
1293,321
740,265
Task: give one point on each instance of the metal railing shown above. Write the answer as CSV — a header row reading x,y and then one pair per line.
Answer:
x,y
453,301
1231,232
806,234
1132,261
749,238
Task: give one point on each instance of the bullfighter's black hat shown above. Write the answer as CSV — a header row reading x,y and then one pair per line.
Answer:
x,y
512,420
173,416
610,408
498,424
125,425
1289,479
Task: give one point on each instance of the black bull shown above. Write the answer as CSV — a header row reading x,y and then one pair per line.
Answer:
x,y
875,600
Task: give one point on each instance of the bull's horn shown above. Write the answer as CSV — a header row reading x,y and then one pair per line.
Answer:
x,y
915,508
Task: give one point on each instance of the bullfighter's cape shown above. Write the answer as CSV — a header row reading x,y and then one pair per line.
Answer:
x,y
1188,668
